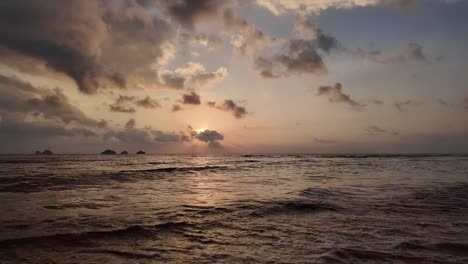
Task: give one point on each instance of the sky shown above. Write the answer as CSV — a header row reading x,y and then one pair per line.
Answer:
x,y
234,76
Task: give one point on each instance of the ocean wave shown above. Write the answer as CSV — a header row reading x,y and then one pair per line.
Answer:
x,y
254,155
351,255
288,207
457,249
78,238
181,169
126,254
444,199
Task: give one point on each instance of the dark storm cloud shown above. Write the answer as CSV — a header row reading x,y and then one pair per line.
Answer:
x,y
92,42
377,131
17,96
192,98
64,34
336,95
125,104
229,105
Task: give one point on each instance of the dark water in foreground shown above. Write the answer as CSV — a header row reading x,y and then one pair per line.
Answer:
x,y
233,209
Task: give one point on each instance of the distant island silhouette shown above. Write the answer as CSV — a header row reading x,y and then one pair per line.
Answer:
x,y
45,152
108,152
112,152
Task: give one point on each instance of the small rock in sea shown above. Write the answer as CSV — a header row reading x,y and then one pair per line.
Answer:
x,y
124,152
37,152
141,152
47,152
108,152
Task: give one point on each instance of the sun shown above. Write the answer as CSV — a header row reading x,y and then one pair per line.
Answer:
x,y
199,130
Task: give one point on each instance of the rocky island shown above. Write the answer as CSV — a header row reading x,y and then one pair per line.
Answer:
x,y
108,152
45,152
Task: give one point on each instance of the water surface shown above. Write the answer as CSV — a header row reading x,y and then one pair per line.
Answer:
x,y
233,209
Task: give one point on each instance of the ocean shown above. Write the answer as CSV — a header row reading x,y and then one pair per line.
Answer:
x,y
233,209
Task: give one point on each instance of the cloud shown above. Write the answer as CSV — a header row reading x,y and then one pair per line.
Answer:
x,y
91,42
130,124
400,4
413,52
300,54
148,103
30,116
146,137
191,75
17,96
301,57
176,108
378,131
207,78
279,7
15,128
229,105
307,30
376,102
171,80
403,105
462,104
122,109
244,36
212,137
188,13
336,95
211,42
192,98
208,136
324,141
125,104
